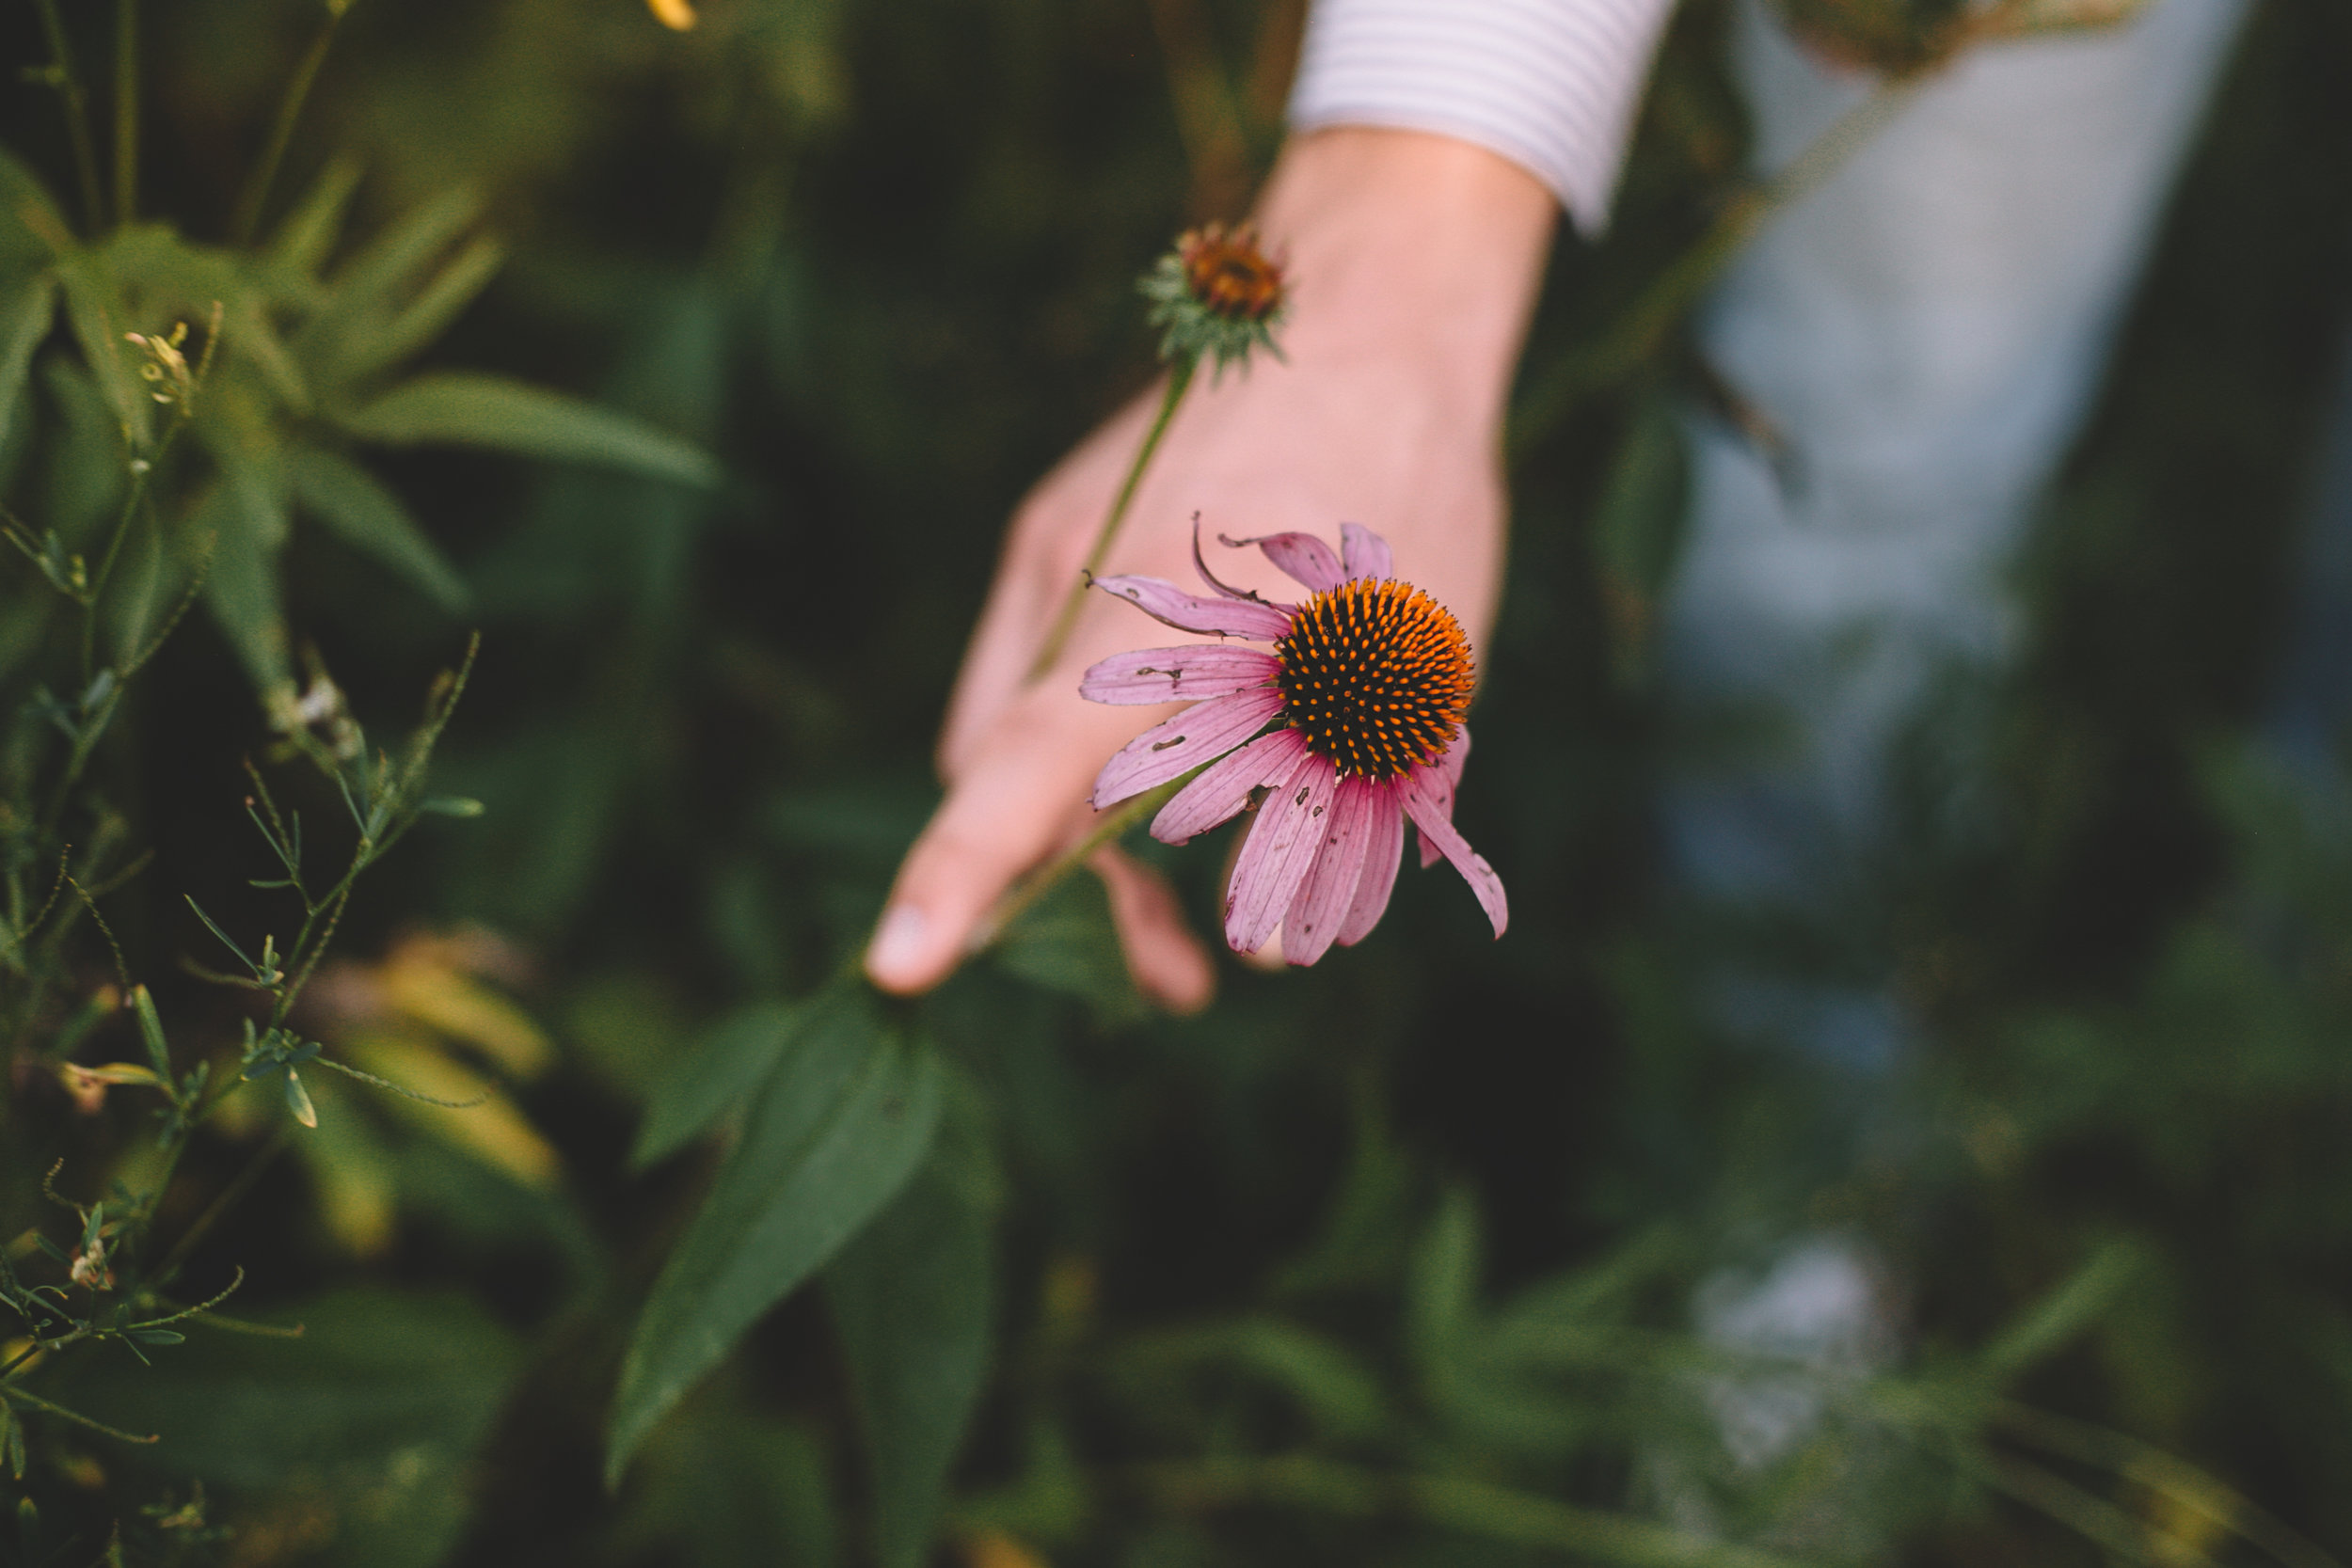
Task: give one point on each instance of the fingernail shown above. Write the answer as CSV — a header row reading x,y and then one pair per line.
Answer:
x,y
898,943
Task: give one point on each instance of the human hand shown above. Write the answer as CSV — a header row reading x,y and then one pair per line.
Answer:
x,y
1415,260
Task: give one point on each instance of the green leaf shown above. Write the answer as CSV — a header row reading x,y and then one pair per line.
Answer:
x,y
151,1029
833,1134
241,590
348,500
386,262
464,408
304,240
298,1101
722,1071
92,304
428,315
24,318
911,1301
380,1408
31,225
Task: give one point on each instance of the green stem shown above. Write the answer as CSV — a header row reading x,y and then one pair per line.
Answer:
x,y
1108,827
76,112
1639,332
1465,1505
256,196
126,111
226,1199
1179,379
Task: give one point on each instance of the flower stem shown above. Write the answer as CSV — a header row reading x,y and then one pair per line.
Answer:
x,y
1107,828
1179,379
69,87
126,111
1638,333
256,196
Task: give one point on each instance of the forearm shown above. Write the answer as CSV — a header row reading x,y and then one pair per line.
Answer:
x,y
1410,249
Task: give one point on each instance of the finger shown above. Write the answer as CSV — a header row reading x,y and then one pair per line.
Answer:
x,y
1166,960
1051,531
1020,799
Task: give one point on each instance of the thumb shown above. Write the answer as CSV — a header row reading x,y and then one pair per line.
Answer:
x,y
1018,800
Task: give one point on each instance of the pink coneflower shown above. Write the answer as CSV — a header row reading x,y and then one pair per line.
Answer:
x,y
1351,724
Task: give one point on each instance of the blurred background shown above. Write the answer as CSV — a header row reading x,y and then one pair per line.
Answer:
x,y
1438,1253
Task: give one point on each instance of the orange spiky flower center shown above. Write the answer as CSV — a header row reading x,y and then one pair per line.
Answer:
x,y
1228,274
1376,677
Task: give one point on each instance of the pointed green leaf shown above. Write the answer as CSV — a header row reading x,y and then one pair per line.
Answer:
x,y
151,1028
93,305
348,500
241,586
386,262
30,224
833,1135
467,409
305,239
26,310
911,1300
427,316
719,1075
298,1100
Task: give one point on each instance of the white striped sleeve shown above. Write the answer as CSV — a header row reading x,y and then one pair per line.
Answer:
x,y
1551,85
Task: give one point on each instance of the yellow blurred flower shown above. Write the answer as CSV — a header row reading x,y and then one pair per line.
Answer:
x,y
673,13
994,1550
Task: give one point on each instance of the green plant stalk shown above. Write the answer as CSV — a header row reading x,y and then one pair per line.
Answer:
x,y
256,195
1639,332
76,113
1179,380
1475,1508
126,112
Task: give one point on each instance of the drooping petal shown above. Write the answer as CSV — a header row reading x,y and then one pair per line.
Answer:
x,y
1279,851
1223,788
1164,601
1364,553
1225,589
1430,817
1307,560
1444,783
1384,847
1198,735
1324,898
1194,672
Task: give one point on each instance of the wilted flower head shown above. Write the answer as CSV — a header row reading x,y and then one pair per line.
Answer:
x,y
1216,293
1351,724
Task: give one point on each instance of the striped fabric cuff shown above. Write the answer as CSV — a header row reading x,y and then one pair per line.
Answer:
x,y
1551,85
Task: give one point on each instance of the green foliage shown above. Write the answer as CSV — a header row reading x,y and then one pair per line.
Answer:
x,y
836,1129
1403,1260
911,1300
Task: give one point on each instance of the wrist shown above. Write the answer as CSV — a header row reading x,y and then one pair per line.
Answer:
x,y
1409,248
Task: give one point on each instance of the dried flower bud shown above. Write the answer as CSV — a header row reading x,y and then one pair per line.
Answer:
x,y
1216,293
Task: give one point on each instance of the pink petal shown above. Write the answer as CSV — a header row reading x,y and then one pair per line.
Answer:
x,y
1307,559
1384,846
1431,819
1364,552
1201,733
1224,590
1444,783
1165,601
1223,788
1324,898
1280,849
1189,673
